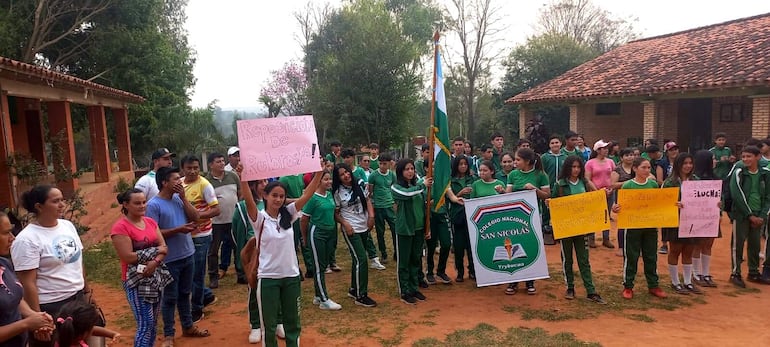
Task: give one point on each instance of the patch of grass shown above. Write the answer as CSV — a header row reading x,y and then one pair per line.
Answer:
x,y
102,264
734,291
488,335
547,314
395,340
641,318
114,205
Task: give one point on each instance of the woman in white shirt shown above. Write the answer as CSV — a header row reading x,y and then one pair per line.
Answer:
x,y
278,278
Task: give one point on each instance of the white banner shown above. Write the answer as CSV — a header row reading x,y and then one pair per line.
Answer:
x,y
506,238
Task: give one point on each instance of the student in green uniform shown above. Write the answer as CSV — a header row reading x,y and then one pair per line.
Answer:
x,y
644,241
498,143
295,185
571,140
751,201
507,165
528,175
374,155
723,155
380,182
439,233
553,160
461,189
472,158
622,173
486,154
614,152
681,171
355,214
349,158
278,277
572,180
487,184
421,164
334,157
318,228
409,195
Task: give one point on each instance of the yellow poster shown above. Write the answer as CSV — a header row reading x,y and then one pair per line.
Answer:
x,y
648,208
579,214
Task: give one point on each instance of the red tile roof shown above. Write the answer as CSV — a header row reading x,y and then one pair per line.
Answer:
x,y
51,76
720,56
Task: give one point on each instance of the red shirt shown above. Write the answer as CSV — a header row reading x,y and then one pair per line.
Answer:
x,y
140,239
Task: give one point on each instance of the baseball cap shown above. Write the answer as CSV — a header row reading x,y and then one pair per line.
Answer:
x,y
233,150
162,152
600,144
670,145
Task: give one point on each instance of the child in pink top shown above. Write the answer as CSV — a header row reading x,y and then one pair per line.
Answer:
x,y
598,170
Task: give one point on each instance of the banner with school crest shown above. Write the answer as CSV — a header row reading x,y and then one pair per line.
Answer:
x,y
506,238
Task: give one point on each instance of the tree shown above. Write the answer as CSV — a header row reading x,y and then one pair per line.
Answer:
x,y
364,74
586,23
285,92
477,24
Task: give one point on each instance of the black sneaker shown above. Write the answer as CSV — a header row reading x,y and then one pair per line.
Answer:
x,y
242,280
197,317
334,267
408,299
472,276
459,279
352,293
596,298
424,284
309,274
531,288
417,295
444,278
430,279
570,294
210,300
756,278
737,281
366,301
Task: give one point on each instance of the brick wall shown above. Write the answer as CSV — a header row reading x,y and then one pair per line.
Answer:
x,y
524,115
619,127
760,116
649,125
668,120
737,132
573,118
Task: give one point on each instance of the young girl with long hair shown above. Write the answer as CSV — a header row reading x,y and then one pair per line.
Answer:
x,y
354,212
278,277
572,181
75,322
319,229
528,175
138,241
409,195
704,163
621,174
682,171
460,185
506,166
640,241
598,170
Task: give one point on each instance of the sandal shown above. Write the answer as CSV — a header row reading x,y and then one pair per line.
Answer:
x,y
512,289
168,341
194,331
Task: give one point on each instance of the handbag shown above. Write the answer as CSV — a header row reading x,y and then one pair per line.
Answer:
x,y
250,257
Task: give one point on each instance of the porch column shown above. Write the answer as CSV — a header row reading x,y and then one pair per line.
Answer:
x,y
7,180
100,151
760,116
123,138
60,123
525,115
573,118
35,131
650,119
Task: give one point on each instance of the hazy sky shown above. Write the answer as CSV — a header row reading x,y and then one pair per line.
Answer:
x,y
238,42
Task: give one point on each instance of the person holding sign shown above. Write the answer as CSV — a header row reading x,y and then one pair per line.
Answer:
x,y
644,241
278,276
680,172
701,257
599,170
355,214
571,180
621,174
528,175
461,189
319,228
751,200
410,225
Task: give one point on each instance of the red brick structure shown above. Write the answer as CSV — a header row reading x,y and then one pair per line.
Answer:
x,y
27,92
684,86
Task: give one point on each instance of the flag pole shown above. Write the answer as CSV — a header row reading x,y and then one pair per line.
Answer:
x,y
432,133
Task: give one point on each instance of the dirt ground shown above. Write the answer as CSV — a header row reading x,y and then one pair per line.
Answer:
x,y
723,316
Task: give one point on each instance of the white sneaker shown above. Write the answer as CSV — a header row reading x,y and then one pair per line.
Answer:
x,y
280,332
330,305
255,336
375,264
329,270
316,300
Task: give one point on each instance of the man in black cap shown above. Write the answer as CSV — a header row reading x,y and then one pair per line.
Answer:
x,y
160,158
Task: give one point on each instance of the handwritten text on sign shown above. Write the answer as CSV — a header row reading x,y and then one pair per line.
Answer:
x,y
699,216
579,214
272,147
648,208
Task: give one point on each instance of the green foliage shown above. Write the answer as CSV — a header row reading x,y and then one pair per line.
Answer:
x,y
122,185
364,71
488,335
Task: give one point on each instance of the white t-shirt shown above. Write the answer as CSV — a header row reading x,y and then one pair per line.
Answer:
x,y
148,185
352,211
277,258
56,253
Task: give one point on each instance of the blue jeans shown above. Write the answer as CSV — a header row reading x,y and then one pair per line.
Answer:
x,y
177,295
199,289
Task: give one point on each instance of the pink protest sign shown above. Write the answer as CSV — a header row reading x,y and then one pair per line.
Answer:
x,y
273,147
699,216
